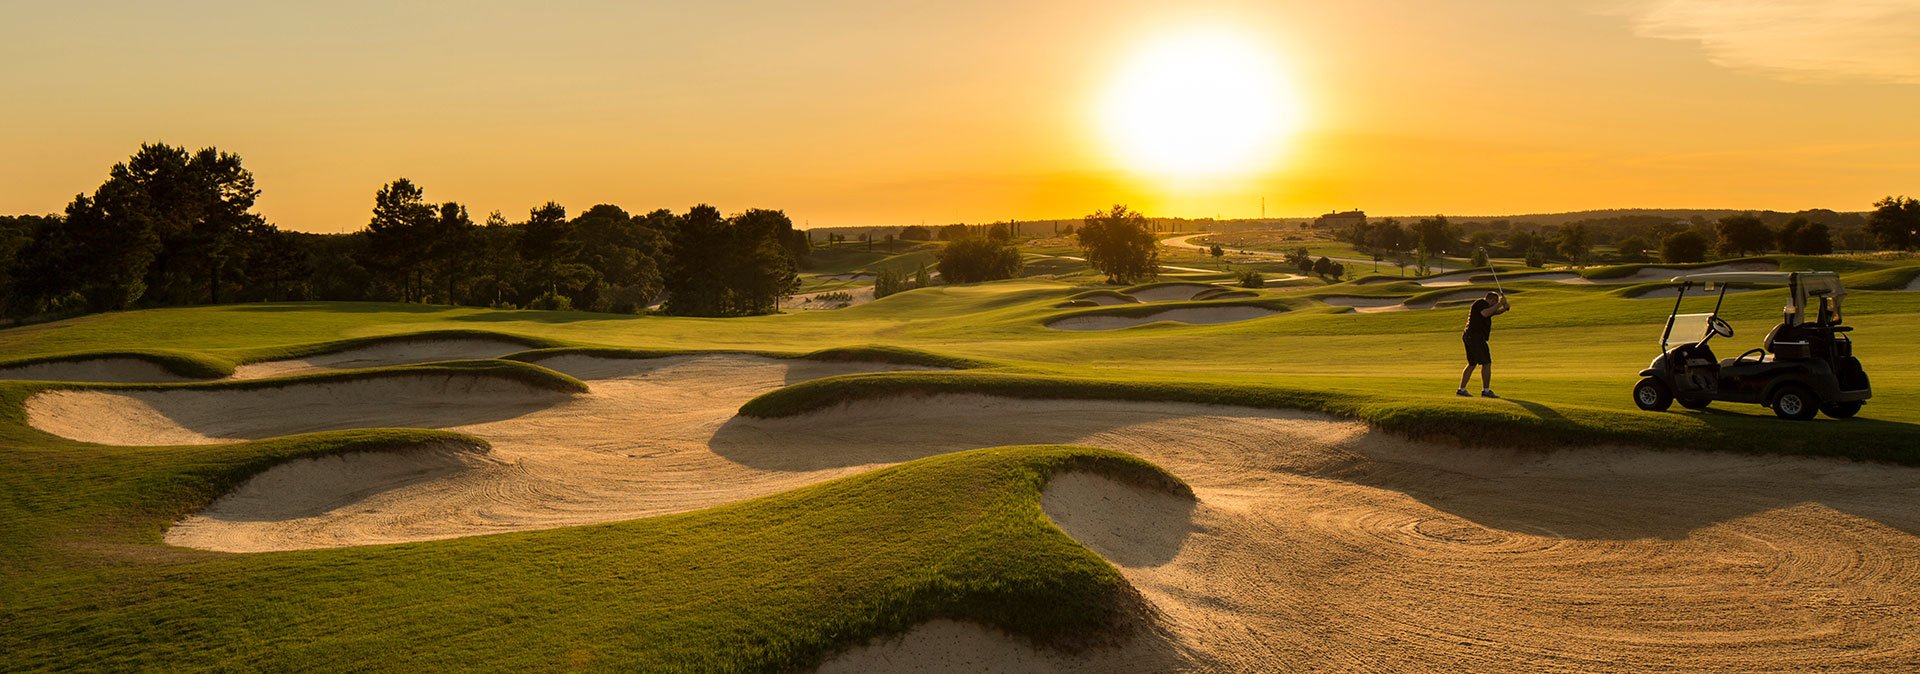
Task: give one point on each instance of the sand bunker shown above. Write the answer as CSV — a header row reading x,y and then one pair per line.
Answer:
x,y
382,354
1367,305
1671,292
1651,274
1316,545
1311,543
212,416
1198,315
1178,292
107,370
821,300
1546,277
1914,284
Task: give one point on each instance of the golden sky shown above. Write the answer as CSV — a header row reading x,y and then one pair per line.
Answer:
x,y
857,113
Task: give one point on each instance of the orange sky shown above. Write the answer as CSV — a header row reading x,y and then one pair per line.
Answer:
x,y
847,113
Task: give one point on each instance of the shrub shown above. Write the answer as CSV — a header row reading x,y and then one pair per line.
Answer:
x,y
1534,258
551,301
973,259
631,299
1479,258
1250,279
888,282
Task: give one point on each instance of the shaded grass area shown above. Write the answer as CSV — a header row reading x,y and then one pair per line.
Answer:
x,y
775,583
182,363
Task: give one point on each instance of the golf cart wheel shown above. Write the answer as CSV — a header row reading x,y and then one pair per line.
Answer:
x,y
1844,410
1796,403
1652,395
1695,403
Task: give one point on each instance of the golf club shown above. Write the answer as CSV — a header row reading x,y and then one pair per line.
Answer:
x,y
1496,272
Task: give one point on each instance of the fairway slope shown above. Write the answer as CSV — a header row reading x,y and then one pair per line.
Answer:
x,y
1196,315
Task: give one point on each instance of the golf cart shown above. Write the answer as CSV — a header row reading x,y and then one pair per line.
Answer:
x,y
1804,366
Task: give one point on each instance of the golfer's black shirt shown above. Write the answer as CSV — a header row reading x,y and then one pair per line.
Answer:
x,y
1479,325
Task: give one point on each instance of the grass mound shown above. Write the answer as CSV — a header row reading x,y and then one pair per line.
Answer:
x,y
182,363
776,583
339,345
1092,296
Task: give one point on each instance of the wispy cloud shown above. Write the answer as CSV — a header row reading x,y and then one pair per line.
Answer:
x,y
1800,40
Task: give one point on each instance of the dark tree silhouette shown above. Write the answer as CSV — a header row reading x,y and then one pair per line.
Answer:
x,y
1742,235
1683,246
1895,223
1119,242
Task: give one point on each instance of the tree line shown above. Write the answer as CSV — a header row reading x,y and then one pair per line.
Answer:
x,y
1894,224
172,227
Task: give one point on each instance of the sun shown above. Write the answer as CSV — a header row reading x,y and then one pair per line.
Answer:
x,y
1197,105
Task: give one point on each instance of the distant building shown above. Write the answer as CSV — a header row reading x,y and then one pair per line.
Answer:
x,y
1341,220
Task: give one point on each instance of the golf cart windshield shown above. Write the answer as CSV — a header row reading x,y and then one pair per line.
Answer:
x,y
1813,296
1687,327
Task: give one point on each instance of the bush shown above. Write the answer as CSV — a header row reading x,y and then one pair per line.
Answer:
x,y
888,282
551,301
631,299
1535,259
1251,279
1479,258
922,278
973,259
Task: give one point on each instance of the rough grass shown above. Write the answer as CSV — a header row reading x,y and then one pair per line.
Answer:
x,y
775,583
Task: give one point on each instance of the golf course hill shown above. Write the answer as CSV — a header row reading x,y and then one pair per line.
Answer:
x,y
1036,473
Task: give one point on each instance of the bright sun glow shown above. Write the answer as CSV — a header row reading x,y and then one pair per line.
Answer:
x,y
1201,104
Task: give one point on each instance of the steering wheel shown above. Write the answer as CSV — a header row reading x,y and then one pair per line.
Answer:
x,y
1720,327
1743,357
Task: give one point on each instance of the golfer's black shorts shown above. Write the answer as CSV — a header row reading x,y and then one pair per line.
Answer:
x,y
1477,353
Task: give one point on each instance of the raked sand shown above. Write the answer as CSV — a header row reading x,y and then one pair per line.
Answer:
x,y
1312,543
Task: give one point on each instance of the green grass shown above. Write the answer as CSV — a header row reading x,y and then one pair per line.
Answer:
x,y
777,582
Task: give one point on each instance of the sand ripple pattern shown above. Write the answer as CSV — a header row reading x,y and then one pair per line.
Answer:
x,y
1312,543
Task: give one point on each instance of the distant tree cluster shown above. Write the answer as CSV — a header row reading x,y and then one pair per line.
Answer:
x,y
973,259
169,226
173,227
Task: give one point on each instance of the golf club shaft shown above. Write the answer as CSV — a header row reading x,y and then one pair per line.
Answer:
x,y
1496,273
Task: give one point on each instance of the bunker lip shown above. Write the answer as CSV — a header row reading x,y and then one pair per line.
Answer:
x,y
102,369
398,350
1191,315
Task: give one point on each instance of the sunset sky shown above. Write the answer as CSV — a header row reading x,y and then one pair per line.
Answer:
x,y
846,113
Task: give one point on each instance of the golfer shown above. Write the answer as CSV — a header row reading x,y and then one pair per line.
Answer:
x,y
1479,328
